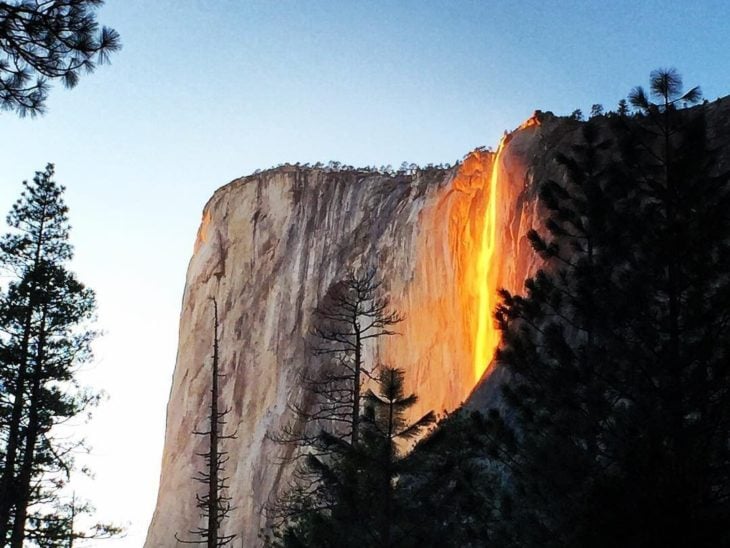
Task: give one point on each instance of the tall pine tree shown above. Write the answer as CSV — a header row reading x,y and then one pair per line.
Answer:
x,y
351,314
44,317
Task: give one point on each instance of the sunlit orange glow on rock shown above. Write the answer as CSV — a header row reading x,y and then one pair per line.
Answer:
x,y
202,230
494,251
533,120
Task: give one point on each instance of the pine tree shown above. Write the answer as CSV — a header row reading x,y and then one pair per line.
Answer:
x,y
51,40
615,422
680,294
357,502
350,315
555,351
44,316
215,503
449,492
623,108
58,526
385,430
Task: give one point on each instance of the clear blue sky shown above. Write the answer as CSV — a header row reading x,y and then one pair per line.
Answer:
x,y
206,91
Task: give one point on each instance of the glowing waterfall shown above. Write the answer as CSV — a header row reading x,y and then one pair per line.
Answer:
x,y
487,334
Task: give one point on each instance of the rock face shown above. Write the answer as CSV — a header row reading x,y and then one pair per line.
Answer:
x,y
269,247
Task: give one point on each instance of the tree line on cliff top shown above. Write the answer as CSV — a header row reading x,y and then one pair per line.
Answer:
x,y
612,427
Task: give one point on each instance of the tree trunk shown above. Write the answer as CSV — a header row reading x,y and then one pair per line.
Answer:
x,y
9,497
356,386
213,463
31,440
8,486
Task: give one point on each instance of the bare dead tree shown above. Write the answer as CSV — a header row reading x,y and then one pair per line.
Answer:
x,y
215,504
353,312
350,314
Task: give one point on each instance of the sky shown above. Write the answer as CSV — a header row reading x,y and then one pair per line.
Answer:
x,y
207,91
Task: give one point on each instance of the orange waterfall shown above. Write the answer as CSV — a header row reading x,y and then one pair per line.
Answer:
x,y
491,271
487,335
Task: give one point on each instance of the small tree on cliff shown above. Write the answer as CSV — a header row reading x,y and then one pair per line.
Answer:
x,y
214,504
623,108
44,338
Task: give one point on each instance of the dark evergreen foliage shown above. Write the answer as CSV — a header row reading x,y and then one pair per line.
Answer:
x,y
357,501
450,489
596,110
48,40
615,429
623,108
550,346
45,336
350,314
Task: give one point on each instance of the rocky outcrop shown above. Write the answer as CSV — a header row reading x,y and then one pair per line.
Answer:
x,y
269,247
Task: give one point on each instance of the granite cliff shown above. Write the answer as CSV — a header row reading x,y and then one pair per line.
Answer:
x,y
269,247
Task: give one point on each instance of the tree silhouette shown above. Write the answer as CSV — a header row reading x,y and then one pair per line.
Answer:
x,y
555,349
385,429
58,526
48,40
357,503
623,108
448,491
44,316
616,417
215,504
350,315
